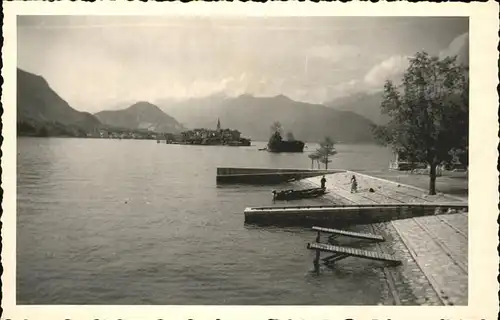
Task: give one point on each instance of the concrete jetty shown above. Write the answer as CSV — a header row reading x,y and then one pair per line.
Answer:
x,y
265,176
344,215
433,248
385,191
377,200
428,234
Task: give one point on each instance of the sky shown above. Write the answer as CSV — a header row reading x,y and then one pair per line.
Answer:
x,y
97,62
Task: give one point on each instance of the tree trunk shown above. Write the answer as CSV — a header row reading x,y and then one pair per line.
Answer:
x,y
326,163
432,178
312,163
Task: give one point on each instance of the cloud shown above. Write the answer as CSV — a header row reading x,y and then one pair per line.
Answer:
x,y
261,84
394,67
154,58
458,47
343,89
389,69
244,83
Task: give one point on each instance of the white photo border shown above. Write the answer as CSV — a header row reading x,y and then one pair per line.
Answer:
x,y
483,180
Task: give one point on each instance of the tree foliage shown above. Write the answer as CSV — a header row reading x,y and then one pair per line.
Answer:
x,y
429,112
276,133
277,127
325,151
275,138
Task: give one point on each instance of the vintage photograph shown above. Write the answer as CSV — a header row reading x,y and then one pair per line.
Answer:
x,y
213,160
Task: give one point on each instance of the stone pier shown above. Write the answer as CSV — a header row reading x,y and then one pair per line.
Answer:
x,y
434,249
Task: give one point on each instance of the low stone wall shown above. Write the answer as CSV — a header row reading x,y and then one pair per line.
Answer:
x,y
238,171
342,216
262,176
434,248
376,200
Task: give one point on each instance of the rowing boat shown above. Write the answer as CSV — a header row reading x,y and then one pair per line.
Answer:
x,y
298,194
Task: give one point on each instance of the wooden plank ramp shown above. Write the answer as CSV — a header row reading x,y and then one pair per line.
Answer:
x,y
358,235
343,252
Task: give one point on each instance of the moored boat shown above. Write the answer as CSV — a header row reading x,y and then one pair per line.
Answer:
x,y
298,194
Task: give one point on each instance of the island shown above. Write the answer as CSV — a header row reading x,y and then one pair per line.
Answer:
x,y
209,137
277,144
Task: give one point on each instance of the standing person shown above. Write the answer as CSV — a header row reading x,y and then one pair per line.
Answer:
x,y
354,185
323,182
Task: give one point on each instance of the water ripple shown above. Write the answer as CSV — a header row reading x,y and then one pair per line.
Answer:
x,y
134,222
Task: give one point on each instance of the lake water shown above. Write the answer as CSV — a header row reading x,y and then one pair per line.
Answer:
x,y
136,222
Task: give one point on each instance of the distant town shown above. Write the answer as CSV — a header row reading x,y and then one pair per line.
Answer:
x,y
110,134
201,136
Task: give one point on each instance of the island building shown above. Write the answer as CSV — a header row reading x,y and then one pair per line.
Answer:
x,y
202,136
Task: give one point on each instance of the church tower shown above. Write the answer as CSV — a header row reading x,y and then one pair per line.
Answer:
x,y
218,124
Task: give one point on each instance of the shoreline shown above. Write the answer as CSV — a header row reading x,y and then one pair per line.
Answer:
x,y
433,249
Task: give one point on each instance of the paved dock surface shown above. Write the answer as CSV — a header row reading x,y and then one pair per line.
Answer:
x,y
434,249
385,191
451,183
441,255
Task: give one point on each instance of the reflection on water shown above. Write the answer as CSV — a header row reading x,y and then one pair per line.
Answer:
x,y
136,222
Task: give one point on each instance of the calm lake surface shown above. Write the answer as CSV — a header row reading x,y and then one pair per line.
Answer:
x,y
136,222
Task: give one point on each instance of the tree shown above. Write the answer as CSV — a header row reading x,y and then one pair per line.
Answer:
x,y
326,150
277,127
276,130
461,156
429,112
27,128
314,157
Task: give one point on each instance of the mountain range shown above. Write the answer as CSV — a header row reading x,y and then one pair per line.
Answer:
x,y
364,104
142,116
41,111
253,116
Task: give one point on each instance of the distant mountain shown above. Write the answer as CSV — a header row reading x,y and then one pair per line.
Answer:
x,y
141,115
41,111
195,112
364,104
253,116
